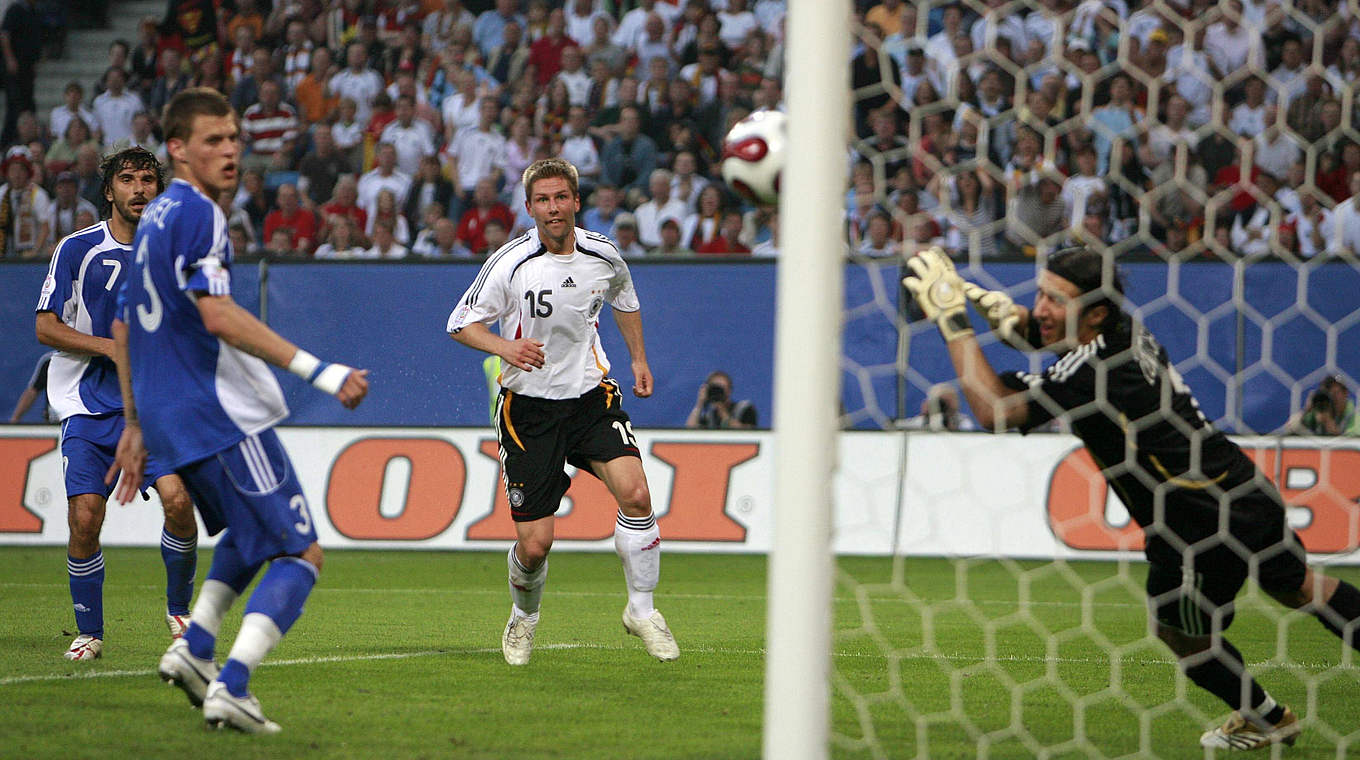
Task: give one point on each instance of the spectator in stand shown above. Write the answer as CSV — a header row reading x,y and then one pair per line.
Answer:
x,y
65,151
878,242
625,237
1276,151
348,132
1037,213
290,214
670,244
1330,411
728,241
73,107
579,148
385,245
90,182
142,136
116,106
21,39
1346,218
431,187
24,210
545,54
294,56
346,203
479,152
407,54
520,146
239,59
485,207
573,74
630,157
496,237
264,125
507,62
321,166
1313,224
246,16
413,138
440,241
438,25
241,242
603,210
487,32
659,208
253,198
312,93
174,77
385,209
601,47
357,82
703,225
247,91
462,107
1081,185
632,25
66,207
384,176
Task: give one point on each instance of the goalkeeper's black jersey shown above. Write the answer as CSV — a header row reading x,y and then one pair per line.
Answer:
x,y
1143,428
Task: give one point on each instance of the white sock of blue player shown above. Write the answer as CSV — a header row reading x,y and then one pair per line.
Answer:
x,y
87,592
227,578
272,610
638,544
526,587
181,562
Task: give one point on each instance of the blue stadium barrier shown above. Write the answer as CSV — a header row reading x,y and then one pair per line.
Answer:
x,y
704,316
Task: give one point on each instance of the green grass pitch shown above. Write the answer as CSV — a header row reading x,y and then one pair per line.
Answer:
x,y
398,656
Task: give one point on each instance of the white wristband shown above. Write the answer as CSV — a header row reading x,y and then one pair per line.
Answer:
x,y
323,376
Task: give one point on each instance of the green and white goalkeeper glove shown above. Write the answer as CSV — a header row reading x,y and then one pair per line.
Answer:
x,y
939,291
999,311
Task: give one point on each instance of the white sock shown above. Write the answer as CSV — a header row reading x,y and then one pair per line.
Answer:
x,y
526,587
258,636
214,599
638,544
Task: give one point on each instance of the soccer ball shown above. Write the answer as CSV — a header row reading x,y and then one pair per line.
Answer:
x,y
753,156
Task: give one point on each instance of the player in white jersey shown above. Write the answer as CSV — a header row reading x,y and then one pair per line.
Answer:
x,y
557,403
75,316
190,362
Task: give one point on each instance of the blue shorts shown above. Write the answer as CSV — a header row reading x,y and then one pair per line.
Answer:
x,y
251,490
88,445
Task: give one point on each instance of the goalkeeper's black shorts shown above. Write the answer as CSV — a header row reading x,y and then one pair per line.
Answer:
x,y
539,437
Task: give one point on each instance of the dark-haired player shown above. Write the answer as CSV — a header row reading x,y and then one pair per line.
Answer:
x,y
1211,518
75,316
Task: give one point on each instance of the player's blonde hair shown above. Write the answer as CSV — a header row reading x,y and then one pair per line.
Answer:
x,y
178,117
547,168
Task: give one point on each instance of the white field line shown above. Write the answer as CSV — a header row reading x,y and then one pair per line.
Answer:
x,y
1026,659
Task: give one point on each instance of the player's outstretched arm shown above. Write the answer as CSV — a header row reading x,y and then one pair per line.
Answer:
x,y
130,456
51,331
940,292
225,319
630,327
524,353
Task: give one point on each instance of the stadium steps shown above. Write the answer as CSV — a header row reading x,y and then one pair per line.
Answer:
x,y
86,54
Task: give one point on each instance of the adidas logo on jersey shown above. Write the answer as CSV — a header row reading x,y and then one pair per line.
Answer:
x,y
568,283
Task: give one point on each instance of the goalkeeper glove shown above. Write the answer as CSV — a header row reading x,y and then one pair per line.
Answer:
x,y
939,291
999,311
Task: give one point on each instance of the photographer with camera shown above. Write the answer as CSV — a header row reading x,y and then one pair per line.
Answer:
x,y
715,408
1330,411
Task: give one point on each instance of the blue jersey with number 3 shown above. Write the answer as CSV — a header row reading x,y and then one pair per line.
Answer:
x,y
196,395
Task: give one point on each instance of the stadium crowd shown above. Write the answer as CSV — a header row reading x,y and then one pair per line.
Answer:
x,y
396,128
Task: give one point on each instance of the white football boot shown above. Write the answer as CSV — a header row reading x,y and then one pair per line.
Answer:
x,y
221,708
180,667
656,637
517,643
177,624
1238,733
85,647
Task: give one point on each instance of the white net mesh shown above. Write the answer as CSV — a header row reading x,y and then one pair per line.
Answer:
x,y
1207,148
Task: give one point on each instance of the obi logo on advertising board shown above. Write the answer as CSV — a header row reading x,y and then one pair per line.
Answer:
x,y
1323,482
439,475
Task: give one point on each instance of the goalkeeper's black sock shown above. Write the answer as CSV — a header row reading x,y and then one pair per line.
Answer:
x,y
1341,614
1223,674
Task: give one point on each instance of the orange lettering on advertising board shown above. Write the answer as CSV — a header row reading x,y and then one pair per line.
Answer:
x,y
16,454
697,499
1324,481
430,501
703,473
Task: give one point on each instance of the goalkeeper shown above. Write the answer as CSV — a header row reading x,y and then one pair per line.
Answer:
x,y
1209,515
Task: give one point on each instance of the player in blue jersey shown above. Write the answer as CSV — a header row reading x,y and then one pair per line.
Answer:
x,y
75,316
201,398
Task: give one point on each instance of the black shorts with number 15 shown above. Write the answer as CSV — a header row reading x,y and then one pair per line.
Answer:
x,y
539,437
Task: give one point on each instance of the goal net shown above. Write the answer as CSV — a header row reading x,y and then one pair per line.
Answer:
x,y
1207,148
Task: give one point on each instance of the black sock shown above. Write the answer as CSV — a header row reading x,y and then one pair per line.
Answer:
x,y
1341,614
1223,673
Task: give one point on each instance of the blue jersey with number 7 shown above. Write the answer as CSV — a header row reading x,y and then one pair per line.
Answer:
x,y
196,395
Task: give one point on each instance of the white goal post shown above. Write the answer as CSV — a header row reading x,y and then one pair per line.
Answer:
x,y
807,380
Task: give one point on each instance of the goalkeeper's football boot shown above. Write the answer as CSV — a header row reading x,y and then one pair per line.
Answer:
x,y
1238,733
517,643
180,667
85,647
223,709
177,624
656,637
